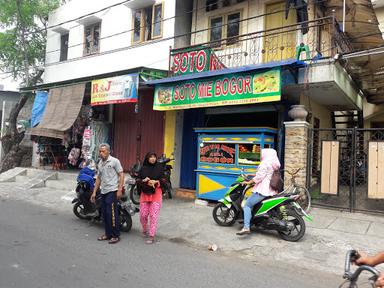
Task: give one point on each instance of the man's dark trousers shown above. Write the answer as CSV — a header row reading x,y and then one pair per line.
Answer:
x,y
110,215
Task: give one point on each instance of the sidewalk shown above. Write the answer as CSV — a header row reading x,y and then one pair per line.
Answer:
x,y
323,247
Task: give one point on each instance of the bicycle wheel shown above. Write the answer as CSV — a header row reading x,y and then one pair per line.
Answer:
x,y
305,198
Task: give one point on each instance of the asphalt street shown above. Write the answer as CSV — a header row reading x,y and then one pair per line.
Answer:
x,y
40,247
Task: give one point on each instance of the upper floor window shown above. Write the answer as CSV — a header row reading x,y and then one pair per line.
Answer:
x,y
64,46
147,23
92,39
225,26
211,5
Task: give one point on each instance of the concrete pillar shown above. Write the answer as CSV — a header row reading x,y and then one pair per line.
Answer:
x,y
296,146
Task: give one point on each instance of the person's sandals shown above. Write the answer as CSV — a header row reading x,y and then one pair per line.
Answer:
x,y
144,235
244,231
103,238
114,240
151,240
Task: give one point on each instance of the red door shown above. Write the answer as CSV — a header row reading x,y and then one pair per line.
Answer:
x,y
135,134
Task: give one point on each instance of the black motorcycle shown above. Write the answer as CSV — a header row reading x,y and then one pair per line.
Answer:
x,y
83,208
166,185
134,194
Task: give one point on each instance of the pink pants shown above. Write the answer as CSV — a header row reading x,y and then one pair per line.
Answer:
x,y
151,209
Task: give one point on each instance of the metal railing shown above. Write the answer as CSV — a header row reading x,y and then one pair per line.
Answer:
x,y
324,39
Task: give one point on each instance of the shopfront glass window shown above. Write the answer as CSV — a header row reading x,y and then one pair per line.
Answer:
x,y
217,153
249,154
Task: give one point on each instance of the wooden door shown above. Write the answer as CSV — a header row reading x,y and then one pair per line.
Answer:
x,y
330,167
279,44
376,170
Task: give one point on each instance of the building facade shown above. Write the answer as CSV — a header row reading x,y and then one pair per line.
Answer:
x,y
95,40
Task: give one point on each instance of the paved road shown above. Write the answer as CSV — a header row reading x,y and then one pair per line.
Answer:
x,y
43,248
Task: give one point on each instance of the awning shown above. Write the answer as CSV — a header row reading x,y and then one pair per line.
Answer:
x,y
62,109
205,74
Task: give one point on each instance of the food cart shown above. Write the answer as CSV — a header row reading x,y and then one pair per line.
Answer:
x,y
223,152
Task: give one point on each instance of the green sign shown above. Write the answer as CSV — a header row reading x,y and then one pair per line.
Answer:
x,y
229,89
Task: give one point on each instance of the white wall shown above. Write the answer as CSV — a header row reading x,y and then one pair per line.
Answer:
x,y
117,52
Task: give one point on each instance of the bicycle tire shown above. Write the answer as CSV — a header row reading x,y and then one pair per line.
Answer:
x,y
305,200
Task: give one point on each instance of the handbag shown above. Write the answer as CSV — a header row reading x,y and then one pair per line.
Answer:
x,y
146,189
276,181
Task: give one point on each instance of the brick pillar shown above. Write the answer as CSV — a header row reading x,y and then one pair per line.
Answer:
x,y
296,145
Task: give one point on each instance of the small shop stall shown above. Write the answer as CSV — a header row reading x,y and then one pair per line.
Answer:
x,y
224,152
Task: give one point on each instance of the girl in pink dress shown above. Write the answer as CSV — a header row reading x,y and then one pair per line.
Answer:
x,y
150,175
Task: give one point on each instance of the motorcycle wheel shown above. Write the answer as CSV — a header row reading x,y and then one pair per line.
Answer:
x,y
125,221
298,226
134,195
78,210
223,215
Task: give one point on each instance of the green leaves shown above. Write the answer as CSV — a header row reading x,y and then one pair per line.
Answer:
x,y
23,36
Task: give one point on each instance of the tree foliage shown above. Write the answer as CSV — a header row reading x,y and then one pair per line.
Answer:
x,y
23,32
22,42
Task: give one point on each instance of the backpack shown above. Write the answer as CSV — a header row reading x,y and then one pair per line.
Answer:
x,y
276,181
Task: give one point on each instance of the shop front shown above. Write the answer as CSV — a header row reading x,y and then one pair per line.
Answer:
x,y
229,116
77,118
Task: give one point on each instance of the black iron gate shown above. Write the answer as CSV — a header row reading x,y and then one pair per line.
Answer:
x,y
340,172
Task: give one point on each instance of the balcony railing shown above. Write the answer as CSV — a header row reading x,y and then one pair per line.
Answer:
x,y
324,39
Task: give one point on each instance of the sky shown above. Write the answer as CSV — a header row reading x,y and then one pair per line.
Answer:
x,y
9,84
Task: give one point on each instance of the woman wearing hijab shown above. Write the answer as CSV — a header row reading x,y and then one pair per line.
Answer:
x,y
269,163
150,175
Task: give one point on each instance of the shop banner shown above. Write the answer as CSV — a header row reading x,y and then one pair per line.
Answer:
x,y
120,89
194,60
229,89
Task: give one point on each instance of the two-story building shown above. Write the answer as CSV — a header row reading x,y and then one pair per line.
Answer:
x,y
248,64
98,54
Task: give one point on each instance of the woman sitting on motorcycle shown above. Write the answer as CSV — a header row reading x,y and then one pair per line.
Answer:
x,y
269,163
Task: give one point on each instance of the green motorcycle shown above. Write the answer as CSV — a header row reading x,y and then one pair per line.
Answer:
x,y
280,212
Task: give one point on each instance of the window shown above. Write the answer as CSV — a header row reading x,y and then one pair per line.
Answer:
x,y
92,39
227,26
147,23
249,154
64,47
216,31
233,28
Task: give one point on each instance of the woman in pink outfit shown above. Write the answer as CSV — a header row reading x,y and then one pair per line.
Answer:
x,y
269,163
150,175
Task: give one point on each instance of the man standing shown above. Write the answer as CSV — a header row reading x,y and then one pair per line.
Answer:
x,y
110,177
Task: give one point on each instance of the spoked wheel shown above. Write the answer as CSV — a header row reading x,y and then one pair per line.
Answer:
x,y
78,210
223,215
125,221
296,227
305,198
134,195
